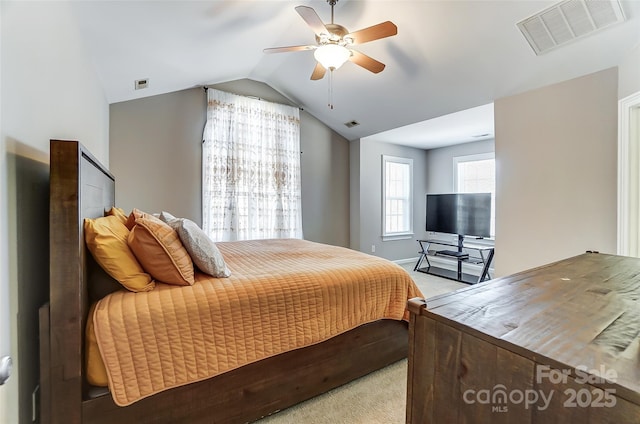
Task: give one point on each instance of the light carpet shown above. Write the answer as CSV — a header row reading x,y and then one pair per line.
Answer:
x,y
377,398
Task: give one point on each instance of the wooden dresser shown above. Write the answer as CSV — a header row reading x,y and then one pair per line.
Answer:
x,y
555,344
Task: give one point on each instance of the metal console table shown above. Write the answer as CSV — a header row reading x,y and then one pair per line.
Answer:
x,y
461,254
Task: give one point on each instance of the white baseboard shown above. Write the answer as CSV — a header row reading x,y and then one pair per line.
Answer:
x,y
406,261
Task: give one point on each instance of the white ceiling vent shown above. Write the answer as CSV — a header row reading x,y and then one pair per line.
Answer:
x,y
569,20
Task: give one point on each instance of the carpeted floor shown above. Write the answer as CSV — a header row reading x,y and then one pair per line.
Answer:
x,y
431,285
378,398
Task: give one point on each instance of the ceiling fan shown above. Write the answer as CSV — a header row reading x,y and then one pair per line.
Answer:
x,y
334,43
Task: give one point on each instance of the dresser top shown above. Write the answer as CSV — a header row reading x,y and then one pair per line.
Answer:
x,y
582,313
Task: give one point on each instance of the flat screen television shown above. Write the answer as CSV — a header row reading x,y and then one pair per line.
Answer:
x,y
465,214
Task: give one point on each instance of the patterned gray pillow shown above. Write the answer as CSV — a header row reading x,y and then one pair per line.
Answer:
x,y
203,251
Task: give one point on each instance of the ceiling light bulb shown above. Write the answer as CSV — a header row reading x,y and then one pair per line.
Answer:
x,y
332,56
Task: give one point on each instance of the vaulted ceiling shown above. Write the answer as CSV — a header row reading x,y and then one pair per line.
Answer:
x,y
448,55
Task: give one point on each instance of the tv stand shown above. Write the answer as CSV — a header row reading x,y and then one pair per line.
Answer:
x,y
462,254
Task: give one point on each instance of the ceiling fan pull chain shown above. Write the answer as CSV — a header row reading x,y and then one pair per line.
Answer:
x,y
330,89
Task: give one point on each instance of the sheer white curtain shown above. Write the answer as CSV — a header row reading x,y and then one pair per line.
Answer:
x,y
250,169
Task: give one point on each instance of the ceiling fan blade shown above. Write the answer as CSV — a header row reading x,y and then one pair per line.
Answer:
x,y
312,19
288,49
366,62
318,72
376,32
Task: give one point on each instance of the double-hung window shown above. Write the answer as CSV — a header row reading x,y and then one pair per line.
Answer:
x,y
397,192
477,174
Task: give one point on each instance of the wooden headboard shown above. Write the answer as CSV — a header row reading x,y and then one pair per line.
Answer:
x,y
80,187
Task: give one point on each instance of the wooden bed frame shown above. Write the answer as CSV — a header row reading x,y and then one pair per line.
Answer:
x,y
82,188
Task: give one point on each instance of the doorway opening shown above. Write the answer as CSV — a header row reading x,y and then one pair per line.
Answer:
x,y
629,176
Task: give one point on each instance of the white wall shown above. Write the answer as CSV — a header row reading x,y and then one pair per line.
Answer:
x,y
5,315
629,74
49,90
556,153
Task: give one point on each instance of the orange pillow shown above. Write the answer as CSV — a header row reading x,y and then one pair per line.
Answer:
x,y
106,239
118,212
131,220
158,248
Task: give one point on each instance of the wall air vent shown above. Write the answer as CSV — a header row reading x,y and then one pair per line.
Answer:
x,y
569,20
351,124
140,84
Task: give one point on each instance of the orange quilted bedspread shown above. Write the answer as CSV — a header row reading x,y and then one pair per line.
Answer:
x,y
282,295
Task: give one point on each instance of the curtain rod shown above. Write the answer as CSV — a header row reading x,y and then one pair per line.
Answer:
x,y
206,89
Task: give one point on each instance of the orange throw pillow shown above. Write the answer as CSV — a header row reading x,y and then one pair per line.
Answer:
x,y
158,248
117,212
106,239
131,219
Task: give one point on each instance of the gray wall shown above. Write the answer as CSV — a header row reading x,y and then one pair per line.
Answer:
x,y
155,147
49,90
325,183
354,201
366,217
556,152
440,174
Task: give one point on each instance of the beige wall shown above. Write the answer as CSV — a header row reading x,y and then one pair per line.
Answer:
x,y
556,150
156,155
49,90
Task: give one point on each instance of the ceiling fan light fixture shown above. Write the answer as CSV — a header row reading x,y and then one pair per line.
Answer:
x,y
332,56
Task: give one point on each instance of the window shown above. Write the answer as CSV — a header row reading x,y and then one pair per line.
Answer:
x,y
397,192
250,169
477,174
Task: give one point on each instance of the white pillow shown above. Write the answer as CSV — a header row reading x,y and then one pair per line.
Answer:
x,y
203,251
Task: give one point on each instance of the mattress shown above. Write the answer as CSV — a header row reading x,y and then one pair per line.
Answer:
x,y
281,295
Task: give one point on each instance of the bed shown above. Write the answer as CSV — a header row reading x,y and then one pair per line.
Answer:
x,y
82,188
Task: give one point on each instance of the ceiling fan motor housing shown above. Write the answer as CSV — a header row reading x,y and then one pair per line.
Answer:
x,y
336,35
